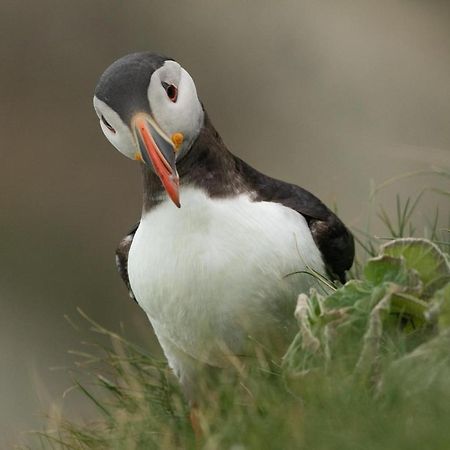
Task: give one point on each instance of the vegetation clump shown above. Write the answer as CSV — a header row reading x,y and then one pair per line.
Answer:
x,y
369,368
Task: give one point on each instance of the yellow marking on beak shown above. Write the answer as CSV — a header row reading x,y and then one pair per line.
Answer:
x,y
138,157
177,139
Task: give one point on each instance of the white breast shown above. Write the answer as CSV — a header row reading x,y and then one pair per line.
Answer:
x,y
214,271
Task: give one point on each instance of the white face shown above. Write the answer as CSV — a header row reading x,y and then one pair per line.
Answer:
x,y
174,104
115,130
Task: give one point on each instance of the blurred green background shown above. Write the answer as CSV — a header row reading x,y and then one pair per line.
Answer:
x,y
326,94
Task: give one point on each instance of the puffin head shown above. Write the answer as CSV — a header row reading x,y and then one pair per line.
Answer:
x,y
148,109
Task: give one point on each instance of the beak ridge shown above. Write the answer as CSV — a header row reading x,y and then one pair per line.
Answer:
x,y
158,152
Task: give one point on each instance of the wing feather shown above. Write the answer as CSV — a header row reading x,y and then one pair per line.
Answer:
x,y
122,258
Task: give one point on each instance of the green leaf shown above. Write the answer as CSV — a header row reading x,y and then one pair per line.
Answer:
x,y
385,268
352,292
435,285
420,255
405,304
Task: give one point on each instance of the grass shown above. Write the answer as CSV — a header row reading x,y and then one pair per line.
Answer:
x,y
369,368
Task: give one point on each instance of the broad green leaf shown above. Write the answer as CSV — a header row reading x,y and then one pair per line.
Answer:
x,y
348,294
385,268
421,255
435,285
402,303
388,269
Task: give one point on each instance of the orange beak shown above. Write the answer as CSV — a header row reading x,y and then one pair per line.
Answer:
x,y
158,152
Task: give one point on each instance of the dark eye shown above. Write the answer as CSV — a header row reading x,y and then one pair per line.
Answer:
x,y
107,125
171,91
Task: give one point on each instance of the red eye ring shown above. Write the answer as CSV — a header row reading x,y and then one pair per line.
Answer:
x,y
171,91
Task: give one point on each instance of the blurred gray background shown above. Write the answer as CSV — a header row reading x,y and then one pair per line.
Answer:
x,y
332,95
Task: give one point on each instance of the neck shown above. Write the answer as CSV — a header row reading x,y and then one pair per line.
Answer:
x,y
208,165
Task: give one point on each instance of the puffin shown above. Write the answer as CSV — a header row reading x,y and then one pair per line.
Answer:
x,y
221,251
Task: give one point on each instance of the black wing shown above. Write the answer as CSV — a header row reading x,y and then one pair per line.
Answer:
x,y
122,258
331,236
